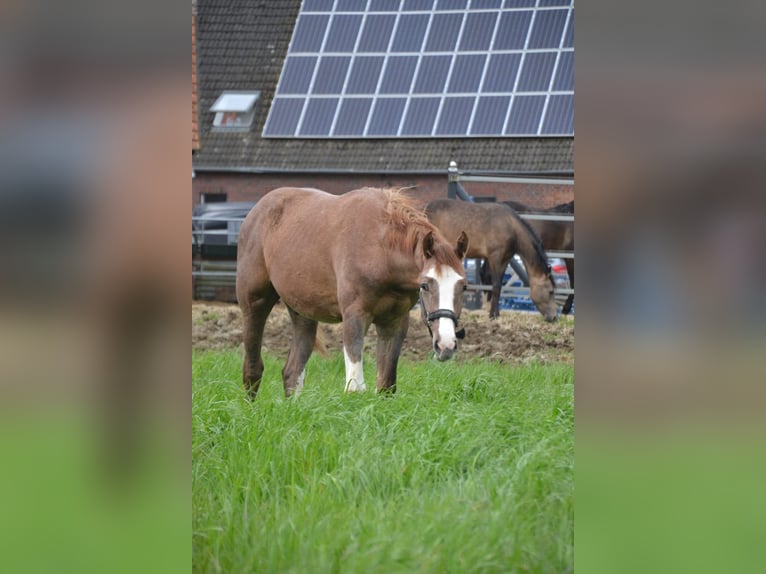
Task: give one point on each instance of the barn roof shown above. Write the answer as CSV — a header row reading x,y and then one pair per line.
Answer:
x,y
241,46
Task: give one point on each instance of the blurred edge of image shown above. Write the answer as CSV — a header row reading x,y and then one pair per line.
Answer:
x,y
669,365
94,362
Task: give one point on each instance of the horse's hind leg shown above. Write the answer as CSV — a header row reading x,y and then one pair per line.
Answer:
x,y
485,278
254,315
496,270
304,335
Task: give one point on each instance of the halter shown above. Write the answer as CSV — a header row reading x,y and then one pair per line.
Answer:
x,y
429,318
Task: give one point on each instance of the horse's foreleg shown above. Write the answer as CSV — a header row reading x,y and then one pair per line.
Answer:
x,y
390,339
354,329
304,335
254,315
485,278
567,308
497,285
570,300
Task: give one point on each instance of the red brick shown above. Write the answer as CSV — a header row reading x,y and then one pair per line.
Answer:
x,y
251,187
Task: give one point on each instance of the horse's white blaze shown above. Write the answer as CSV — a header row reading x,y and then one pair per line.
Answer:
x,y
446,279
299,383
354,374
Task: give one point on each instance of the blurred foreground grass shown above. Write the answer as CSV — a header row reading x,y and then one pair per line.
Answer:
x,y
678,497
65,510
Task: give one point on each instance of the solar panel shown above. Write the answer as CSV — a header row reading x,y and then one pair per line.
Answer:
x,y
318,117
455,116
420,117
427,68
376,33
352,116
364,76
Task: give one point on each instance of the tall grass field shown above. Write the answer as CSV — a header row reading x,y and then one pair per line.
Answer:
x,y
469,467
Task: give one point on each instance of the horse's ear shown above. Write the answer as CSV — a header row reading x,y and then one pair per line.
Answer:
x,y
428,245
462,245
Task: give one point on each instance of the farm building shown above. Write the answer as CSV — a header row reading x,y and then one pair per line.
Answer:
x,y
341,94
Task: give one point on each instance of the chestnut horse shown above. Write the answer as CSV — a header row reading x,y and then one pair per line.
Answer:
x,y
554,235
497,234
362,257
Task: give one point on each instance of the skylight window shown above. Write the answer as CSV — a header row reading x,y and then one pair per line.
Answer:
x,y
234,111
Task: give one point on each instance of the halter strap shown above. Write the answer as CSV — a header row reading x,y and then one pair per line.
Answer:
x,y
429,318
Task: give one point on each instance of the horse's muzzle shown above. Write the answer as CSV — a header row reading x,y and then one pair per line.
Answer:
x,y
440,352
444,354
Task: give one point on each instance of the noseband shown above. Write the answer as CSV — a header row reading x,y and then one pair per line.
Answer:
x,y
429,318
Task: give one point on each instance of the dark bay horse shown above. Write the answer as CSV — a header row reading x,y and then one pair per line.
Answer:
x,y
554,235
362,257
497,233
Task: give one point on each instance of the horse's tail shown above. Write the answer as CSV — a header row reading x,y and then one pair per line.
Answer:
x,y
320,342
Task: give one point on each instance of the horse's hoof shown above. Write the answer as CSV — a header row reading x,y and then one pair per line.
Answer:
x,y
353,387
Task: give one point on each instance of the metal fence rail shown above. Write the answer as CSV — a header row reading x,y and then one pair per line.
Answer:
x,y
199,231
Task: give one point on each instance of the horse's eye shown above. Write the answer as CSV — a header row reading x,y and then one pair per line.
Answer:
x,y
424,286
465,287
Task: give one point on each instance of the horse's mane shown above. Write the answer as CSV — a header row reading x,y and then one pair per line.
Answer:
x,y
563,207
560,208
517,205
408,224
539,252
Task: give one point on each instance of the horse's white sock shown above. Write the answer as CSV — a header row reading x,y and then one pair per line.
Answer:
x,y
354,374
299,383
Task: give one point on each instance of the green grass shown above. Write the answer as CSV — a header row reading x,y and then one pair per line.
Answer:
x,y
468,468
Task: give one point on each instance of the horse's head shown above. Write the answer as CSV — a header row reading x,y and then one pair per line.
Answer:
x,y
442,283
541,291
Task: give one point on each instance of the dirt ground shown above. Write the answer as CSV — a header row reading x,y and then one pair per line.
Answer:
x,y
516,337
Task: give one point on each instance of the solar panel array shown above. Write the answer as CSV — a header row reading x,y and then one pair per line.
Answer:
x,y
427,68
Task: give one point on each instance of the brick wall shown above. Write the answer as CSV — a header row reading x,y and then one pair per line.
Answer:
x,y
250,187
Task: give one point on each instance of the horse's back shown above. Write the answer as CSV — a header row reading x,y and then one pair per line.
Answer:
x,y
274,218
454,209
553,234
300,240
485,223
268,212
